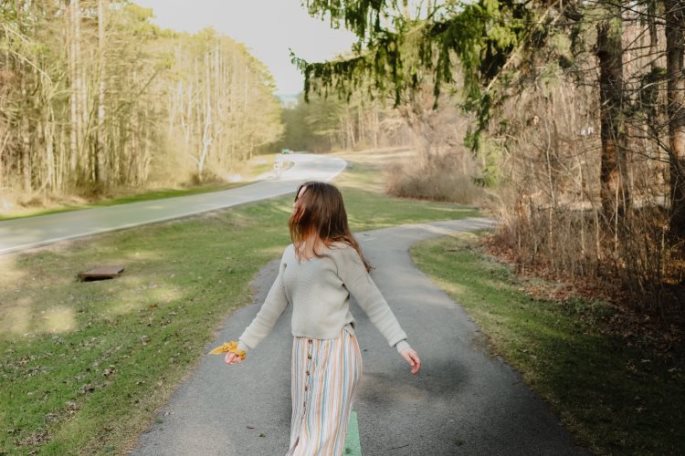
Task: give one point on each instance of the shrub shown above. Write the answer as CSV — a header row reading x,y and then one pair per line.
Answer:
x,y
443,177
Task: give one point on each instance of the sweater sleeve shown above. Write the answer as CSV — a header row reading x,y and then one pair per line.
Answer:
x,y
358,282
275,303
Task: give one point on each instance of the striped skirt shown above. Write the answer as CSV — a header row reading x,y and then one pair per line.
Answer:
x,y
324,375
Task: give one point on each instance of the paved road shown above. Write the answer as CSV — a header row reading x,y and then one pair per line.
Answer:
x,y
22,234
464,402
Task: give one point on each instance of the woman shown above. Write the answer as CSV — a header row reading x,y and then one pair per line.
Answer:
x,y
317,273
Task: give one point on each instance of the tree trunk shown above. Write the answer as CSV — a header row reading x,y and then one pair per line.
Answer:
x,y
614,189
3,146
189,117
73,95
49,136
77,95
144,172
82,105
25,136
653,32
376,127
26,162
100,157
62,159
675,48
244,126
207,129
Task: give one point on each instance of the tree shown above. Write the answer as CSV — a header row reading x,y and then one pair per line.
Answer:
x,y
675,49
614,193
100,154
398,53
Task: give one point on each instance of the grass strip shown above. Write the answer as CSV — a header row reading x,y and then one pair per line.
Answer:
x,y
132,198
259,165
618,398
85,366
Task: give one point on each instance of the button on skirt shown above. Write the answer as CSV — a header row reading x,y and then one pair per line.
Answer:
x,y
325,374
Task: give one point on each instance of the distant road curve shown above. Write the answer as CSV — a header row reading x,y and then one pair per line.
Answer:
x,y
23,234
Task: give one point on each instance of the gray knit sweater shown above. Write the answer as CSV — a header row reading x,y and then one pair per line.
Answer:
x,y
319,290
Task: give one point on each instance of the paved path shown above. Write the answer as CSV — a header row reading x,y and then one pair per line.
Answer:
x,y
464,402
26,233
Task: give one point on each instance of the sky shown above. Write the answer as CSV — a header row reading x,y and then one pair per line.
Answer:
x,y
267,27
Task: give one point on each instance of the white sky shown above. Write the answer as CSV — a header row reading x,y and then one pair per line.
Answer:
x,y
267,27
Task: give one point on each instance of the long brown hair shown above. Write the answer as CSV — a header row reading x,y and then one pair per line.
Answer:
x,y
321,212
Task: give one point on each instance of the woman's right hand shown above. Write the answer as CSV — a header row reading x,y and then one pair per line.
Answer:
x,y
412,358
232,358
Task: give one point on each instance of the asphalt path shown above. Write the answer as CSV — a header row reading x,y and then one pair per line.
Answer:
x,y
26,233
464,402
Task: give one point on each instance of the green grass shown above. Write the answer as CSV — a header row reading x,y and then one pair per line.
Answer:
x,y
366,211
167,193
618,399
132,198
258,166
85,366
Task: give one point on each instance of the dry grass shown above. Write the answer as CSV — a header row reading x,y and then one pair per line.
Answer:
x,y
367,167
444,177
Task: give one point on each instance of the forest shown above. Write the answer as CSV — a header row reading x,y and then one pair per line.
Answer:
x,y
94,96
574,118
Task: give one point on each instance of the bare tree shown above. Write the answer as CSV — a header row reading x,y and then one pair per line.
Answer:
x,y
675,49
615,193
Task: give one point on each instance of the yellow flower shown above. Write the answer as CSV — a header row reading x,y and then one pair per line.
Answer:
x,y
226,347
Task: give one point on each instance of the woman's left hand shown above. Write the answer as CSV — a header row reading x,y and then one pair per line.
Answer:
x,y
412,359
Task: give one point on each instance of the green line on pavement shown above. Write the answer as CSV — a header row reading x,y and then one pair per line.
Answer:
x,y
353,446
